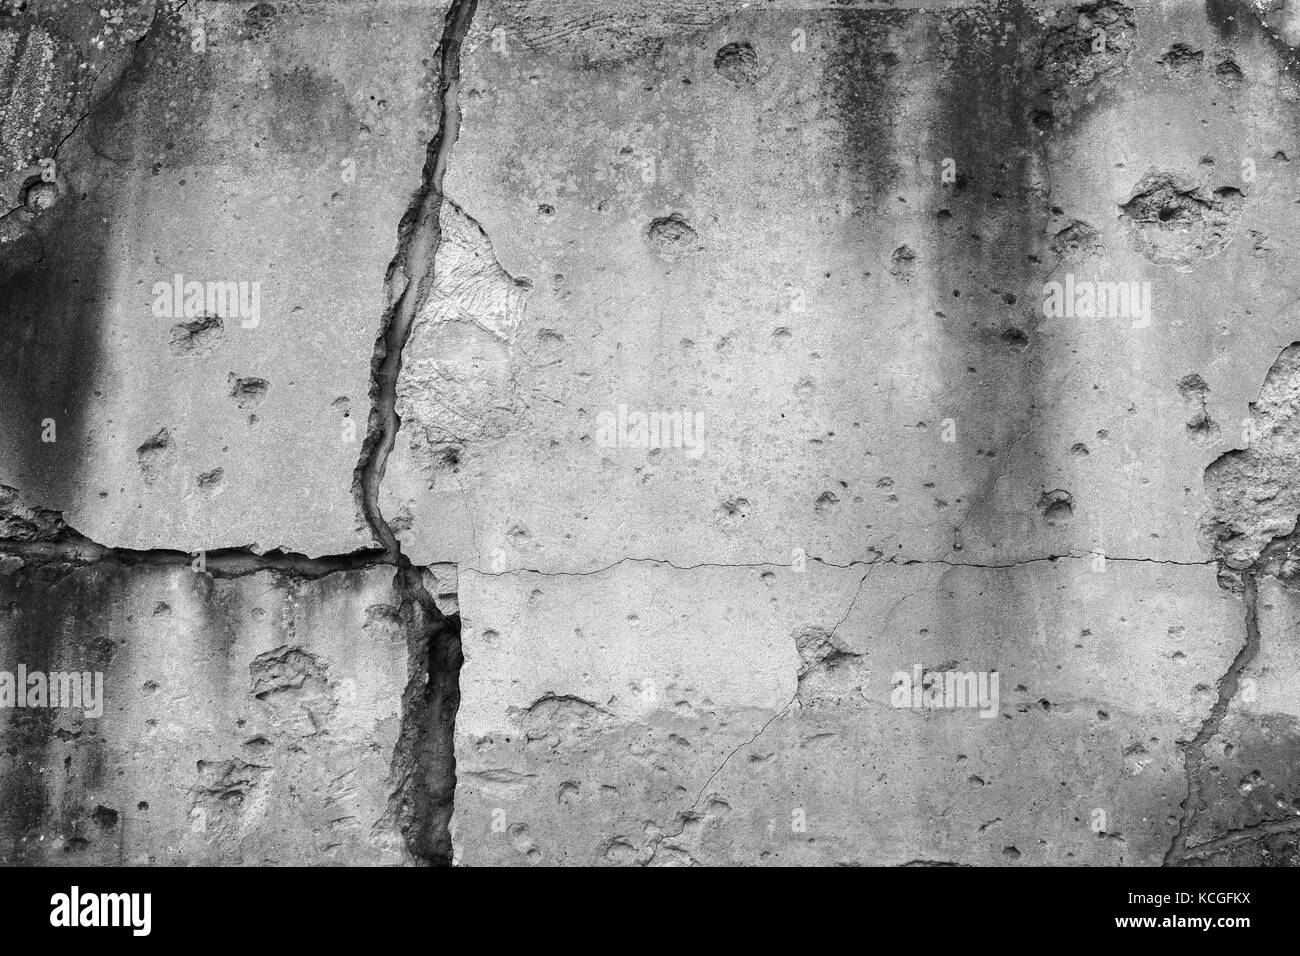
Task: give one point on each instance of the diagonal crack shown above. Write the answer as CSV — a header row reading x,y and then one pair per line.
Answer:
x,y
1194,751
790,703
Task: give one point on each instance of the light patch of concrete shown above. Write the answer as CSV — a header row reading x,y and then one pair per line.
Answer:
x,y
584,739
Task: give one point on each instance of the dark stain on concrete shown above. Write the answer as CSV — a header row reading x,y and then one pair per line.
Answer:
x,y
860,77
52,760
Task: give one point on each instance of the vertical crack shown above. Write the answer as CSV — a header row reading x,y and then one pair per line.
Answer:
x,y
424,761
1229,683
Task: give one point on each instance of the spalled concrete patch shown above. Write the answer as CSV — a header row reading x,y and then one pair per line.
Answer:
x,y
1253,489
1176,220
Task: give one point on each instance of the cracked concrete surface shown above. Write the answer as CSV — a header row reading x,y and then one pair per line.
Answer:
x,y
688,432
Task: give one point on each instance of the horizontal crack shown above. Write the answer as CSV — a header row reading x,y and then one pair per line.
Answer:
x,y
855,563
75,549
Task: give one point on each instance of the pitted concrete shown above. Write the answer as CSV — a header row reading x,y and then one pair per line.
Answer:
x,y
679,433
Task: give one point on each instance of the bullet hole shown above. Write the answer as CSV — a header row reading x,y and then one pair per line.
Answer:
x,y
450,457
247,392
545,211
902,264
1079,450
1057,507
1181,61
672,237
1201,429
1250,782
1077,240
1280,157
1229,73
1174,220
196,338
826,500
40,196
142,805
211,482
1193,386
1011,853
738,63
162,609
1015,339
156,455
733,511
105,817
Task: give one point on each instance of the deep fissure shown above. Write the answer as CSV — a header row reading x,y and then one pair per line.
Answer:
x,y
423,765
424,761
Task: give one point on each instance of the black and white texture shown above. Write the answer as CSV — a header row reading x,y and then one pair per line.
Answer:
x,y
670,432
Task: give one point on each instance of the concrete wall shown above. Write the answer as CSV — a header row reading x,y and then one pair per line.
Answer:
x,y
841,260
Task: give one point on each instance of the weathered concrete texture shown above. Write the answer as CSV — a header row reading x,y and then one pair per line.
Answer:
x,y
267,145
746,715
245,721
55,59
749,221
920,307
948,554
1249,811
